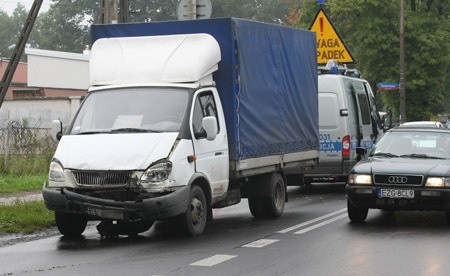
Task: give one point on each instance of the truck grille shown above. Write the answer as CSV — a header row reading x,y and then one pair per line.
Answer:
x,y
101,178
398,179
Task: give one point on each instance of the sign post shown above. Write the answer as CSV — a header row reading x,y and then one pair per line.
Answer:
x,y
387,86
329,43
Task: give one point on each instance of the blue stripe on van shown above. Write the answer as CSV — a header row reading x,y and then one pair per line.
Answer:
x,y
330,146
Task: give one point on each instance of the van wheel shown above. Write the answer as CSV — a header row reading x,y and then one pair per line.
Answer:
x,y
70,224
193,222
355,213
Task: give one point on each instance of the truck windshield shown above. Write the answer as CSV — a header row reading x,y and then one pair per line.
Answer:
x,y
140,109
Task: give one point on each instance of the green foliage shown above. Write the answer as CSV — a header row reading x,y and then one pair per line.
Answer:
x,y
25,217
370,29
26,164
13,184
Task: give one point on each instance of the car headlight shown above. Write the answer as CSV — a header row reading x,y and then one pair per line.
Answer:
x,y
436,182
157,173
56,172
360,179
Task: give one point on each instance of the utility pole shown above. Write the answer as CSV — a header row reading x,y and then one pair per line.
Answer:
x,y
124,11
192,7
114,11
402,117
18,50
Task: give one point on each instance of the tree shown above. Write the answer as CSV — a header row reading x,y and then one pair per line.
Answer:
x,y
10,30
65,26
370,29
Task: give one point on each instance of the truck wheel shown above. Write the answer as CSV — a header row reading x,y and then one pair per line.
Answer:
x,y
194,220
355,213
274,206
70,224
256,207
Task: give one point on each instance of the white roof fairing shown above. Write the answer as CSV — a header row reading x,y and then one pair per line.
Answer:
x,y
153,59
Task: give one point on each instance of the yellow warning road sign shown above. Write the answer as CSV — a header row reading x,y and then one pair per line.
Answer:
x,y
329,43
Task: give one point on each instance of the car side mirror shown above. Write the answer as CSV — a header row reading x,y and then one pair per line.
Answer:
x,y
57,130
210,126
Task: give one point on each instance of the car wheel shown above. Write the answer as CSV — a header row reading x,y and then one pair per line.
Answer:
x,y
355,213
70,224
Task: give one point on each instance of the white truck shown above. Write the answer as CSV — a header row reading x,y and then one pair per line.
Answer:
x,y
184,117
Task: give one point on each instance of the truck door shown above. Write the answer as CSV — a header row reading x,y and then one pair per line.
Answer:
x,y
211,156
364,115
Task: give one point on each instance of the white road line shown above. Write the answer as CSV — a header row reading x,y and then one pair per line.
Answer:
x,y
260,243
216,259
310,221
320,224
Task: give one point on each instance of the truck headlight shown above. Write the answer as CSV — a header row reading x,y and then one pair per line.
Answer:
x,y
157,172
360,179
436,182
56,172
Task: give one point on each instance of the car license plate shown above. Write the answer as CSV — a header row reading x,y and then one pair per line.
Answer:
x,y
395,193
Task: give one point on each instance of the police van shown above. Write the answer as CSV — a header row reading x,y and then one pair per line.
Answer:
x,y
348,118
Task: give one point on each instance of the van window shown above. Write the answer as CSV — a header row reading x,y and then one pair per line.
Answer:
x,y
328,111
365,111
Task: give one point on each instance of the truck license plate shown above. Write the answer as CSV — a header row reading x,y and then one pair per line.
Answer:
x,y
395,193
102,213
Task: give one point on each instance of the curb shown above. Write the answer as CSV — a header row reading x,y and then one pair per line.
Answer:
x,y
20,198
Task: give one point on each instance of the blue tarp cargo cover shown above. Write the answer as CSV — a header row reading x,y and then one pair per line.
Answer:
x,y
267,81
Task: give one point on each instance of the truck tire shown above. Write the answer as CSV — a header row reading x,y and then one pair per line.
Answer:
x,y
274,206
270,206
256,207
355,213
193,222
70,224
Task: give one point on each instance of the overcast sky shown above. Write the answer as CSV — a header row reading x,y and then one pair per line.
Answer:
x,y
9,5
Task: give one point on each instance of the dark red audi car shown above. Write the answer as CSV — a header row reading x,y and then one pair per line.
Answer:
x,y
408,169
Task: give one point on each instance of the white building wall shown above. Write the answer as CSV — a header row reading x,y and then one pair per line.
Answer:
x,y
54,69
39,112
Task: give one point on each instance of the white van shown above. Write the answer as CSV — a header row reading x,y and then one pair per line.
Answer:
x,y
348,118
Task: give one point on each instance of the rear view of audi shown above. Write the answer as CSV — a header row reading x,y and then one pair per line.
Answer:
x,y
408,169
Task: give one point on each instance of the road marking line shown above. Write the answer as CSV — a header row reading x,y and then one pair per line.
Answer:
x,y
216,259
260,243
320,224
311,221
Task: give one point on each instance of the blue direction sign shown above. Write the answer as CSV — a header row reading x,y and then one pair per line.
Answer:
x,y
388,86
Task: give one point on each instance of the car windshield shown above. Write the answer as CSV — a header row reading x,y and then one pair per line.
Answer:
x,y
413,144
125,110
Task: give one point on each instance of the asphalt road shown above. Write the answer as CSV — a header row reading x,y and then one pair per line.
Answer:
x,y
313,237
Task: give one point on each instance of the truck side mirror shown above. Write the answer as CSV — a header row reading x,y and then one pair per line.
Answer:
x,y
56,130
210,126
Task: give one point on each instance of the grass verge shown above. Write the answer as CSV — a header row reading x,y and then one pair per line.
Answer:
x,y
25,217
12,184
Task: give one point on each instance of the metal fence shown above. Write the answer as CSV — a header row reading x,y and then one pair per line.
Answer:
x,y
24,139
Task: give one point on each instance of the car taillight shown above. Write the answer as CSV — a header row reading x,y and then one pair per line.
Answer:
x,y
346,146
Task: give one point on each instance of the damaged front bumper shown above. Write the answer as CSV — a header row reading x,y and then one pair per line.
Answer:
x,y
155,208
